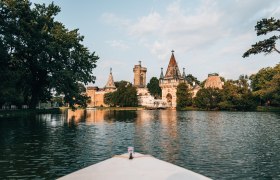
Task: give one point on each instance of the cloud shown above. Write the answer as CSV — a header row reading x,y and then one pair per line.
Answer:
x,y
185,29
119,44
146,24
114,20
180,30
210,35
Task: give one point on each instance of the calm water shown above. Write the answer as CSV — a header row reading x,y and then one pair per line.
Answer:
x,y
220,145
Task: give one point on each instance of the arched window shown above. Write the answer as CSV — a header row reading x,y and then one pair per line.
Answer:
x,y
169,99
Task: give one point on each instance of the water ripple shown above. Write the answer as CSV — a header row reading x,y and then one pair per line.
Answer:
x,y
220,145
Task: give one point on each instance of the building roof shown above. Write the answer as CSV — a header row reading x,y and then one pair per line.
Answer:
x,y
110,83
172,69
213,81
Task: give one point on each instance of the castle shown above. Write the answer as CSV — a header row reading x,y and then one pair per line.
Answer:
x,y
167,82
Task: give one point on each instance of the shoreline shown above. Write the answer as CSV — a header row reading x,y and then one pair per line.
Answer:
x,y
18,112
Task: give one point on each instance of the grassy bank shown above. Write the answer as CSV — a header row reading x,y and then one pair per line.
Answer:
x,y
268,109
21,112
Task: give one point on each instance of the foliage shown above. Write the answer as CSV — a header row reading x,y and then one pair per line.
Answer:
x,y
124,96
208,98
266,86
236,95
267,45
191,79
109,99
184,96
44,54
121,83
153,87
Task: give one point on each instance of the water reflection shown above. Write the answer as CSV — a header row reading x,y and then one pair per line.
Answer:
x,y
221,145
99,116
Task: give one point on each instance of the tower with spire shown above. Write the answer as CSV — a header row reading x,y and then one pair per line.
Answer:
x,y
110,85
97,94
171,80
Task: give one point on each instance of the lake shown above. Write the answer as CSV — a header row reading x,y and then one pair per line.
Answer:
x,y
220,145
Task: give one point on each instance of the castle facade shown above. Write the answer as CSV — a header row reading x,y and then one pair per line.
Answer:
x,y
171,80
168,83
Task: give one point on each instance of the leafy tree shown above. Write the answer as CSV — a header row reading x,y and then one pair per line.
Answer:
x,y
208,98
192,79
47,56
236,95
109,99
273,90
265,85
229,96
153,87
261,83
121,83
184,96
268,45
124,96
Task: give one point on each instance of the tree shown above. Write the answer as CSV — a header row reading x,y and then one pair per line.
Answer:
x,y
121,83
229,96
273,90
268,45
265,85
208,98
236,95
124,96
109,99
260,83
184,96
47,56
192,79
153,87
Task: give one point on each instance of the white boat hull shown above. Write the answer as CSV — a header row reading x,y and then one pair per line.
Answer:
x,y
141,167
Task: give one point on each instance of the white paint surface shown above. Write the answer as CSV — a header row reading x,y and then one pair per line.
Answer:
x,y
142,167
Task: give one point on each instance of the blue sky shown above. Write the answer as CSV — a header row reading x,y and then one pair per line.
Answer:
x,y
207,35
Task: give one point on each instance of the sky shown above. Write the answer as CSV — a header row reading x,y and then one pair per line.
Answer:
x,y
208,36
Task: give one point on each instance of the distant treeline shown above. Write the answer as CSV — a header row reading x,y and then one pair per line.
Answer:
x,y
246,93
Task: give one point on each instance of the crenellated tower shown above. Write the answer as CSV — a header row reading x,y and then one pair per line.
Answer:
x,y
139,76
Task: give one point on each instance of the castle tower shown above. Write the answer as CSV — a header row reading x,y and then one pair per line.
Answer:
x,y
110,85
170,81
139,76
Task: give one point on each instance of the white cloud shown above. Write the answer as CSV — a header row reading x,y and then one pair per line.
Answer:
x,y
119,44
212,35
114,20
147,24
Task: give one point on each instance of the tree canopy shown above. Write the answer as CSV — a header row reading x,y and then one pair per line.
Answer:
x,y
208,98
153,87
40,55
191,79
265,85
268,45
124,96
184,96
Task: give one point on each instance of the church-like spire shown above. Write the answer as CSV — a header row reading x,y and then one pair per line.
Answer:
x,y
184,74
172,69
110,83
161,74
